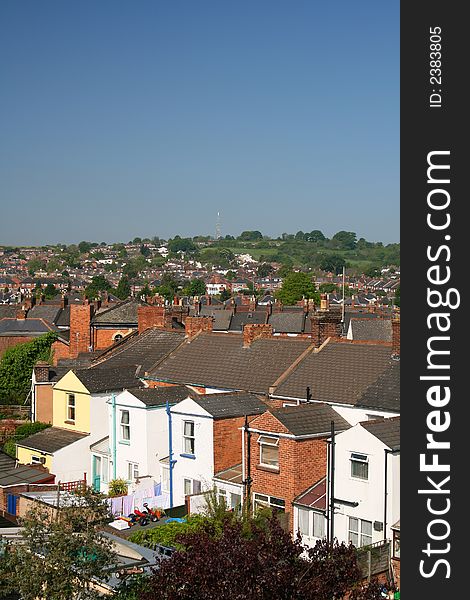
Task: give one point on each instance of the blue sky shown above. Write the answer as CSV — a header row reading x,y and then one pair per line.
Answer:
x,y
121,118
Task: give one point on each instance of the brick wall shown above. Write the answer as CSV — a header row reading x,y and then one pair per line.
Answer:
x,y
80,328
194,325
11,341
60,350
301,464
227,443
254,331
325,325
152,316
104,338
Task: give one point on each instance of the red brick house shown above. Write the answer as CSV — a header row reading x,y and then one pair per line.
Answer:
x,y
288,450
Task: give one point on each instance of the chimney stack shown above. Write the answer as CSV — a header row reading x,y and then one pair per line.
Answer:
x,y
325,324
41,372
21,314
152,316
80,328
194,325
324,302
255,331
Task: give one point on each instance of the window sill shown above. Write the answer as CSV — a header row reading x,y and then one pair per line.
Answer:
x,y
68,422
267,468
125,442
192,456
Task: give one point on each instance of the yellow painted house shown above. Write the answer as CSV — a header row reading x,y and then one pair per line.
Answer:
x,y
79,419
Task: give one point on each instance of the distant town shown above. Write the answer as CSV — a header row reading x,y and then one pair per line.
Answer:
x,y
249,264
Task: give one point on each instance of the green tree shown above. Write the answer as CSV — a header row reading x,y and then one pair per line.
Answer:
x,y
196,287
34,265
250,236
315,236
185,245
144,250
346,240
98,284
295,287
62,555
123,289
332,263
264,270
50,291
328,288
224,295
84,247
16,367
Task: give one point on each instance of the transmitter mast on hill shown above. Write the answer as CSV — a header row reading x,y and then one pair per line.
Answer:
x,y
218,227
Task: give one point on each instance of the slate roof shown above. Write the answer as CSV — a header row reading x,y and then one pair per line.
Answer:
x,y
384,392
222,317
314,496
144,349
44,311
220,361
310,419
159,395
240,319
6,461
8,311
228,406
52,439
371,329
355,374
105,380
348,315
23,474
386,430
25,327
288,322
124,313
63,320
83,360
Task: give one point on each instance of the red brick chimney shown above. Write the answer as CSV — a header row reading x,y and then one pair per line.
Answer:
x,y
396,336
41,372
80,328
253,303
325,324
255,331
21,314
152,316
194,325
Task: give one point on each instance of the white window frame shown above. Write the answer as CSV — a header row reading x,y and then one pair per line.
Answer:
x,y
132,471
165,479
319,524
38,460
105,469
363,539
358,458
266,440
71,406
269,501
188,481
190,438
303,514
234,505
125,426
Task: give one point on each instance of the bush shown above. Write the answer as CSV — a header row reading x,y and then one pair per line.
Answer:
x,y
117,487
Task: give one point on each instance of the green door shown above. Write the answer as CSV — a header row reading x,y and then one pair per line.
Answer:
x,y
97,472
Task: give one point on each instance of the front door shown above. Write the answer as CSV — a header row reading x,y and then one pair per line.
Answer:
x,y
97,472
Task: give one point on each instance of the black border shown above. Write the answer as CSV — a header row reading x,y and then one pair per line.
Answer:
x,y
424,129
